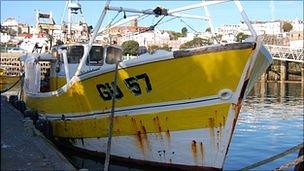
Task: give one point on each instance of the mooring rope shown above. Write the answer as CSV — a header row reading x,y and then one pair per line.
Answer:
x,y
290,163
110,130
270,159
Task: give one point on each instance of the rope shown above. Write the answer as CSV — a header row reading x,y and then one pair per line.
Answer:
x,y
168,20
188,26
291,163
110,131
110,24
270,159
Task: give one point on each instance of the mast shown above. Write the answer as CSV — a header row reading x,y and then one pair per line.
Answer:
x,y
73,8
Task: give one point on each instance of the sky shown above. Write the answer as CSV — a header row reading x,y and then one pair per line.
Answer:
x,y
227,13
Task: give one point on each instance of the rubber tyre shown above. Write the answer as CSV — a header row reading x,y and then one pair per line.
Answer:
x,y
12,98
20,105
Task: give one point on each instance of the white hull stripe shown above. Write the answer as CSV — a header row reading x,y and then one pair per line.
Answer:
x,y
149,108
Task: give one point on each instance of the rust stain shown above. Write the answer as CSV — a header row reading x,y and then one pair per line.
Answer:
x,y
224,119
134,124
211,126
194,150
144,129
211,122
202,150
139,138
157,123
193,147
143,132
168,136
158,127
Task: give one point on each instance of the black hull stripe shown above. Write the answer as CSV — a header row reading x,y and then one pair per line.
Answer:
x,y
134,109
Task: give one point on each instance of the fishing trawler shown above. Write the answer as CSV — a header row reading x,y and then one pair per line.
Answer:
x,y
175,109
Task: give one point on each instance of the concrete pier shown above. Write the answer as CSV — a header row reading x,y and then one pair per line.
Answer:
x,y
25,148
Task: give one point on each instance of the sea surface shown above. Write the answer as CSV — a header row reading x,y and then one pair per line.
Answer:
x,y
270,122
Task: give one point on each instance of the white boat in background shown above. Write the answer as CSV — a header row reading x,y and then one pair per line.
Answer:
x,y
174,110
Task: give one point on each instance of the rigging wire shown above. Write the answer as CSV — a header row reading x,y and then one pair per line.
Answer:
x,y
188,26
110,24
169,20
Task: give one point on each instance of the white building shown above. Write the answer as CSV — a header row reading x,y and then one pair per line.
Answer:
x,y
297,25
155,37
228,38
11,23
5,37
296,40
175,44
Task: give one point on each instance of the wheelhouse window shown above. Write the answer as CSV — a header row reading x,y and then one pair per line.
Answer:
x,y
96,56
74,54
113,54
55,53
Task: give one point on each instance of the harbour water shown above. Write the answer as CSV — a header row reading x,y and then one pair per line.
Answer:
x,y
270,122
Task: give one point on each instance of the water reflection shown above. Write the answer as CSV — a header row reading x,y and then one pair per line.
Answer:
x,y
277,90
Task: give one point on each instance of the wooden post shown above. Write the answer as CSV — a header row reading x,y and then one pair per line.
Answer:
x,y
282,89
302,80
283,69
302,73
264,77
263,89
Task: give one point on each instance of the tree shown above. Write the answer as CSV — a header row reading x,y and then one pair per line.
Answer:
x,y
166,47
130,47
208,29
218,37
12,32
184,31
19,30
287,27
175,35
241,36
153,48
196,42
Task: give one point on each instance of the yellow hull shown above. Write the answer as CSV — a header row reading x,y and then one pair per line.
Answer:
x,y
185,106
176,79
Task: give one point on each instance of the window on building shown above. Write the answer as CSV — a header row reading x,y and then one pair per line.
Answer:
x,y
96,56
